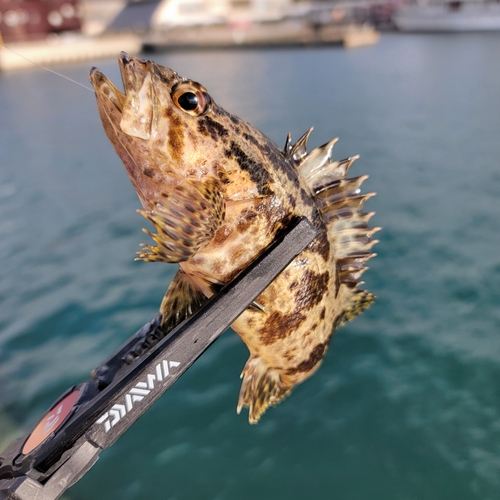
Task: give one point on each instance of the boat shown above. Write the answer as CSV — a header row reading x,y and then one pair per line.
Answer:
x,y
453,16
177,24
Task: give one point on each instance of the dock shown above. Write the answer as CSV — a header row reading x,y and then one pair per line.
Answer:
x,y
76,47
286,33
66,49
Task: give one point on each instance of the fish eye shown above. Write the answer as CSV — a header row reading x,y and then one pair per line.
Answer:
x,y
188,101
191,100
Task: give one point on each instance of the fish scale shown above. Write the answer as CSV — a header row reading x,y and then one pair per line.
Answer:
x,y
217,192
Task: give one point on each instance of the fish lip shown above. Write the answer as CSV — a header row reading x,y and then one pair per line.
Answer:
x,y
113,106
97,78
133,71
100,81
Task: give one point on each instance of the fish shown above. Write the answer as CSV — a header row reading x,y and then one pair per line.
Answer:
x,y
217,192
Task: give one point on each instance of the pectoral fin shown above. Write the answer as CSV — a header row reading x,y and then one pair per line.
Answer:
x,y
184,297
185,219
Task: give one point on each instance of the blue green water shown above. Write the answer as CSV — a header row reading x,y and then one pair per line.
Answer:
x,y
407,403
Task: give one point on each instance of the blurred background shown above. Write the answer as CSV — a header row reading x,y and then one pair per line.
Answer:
x,y
407,403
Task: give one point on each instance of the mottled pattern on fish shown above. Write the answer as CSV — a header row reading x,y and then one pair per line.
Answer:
x,y
218,191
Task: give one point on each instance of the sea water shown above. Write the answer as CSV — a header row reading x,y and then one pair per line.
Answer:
x,y
407,402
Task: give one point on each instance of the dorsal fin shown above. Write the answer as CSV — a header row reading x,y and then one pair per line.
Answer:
x,y
288,145
316,159
297,151
341,203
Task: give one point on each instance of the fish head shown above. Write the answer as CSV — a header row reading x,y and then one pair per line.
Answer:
x,y
154,126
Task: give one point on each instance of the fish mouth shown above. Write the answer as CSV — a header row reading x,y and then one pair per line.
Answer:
x,y
136,104
133,120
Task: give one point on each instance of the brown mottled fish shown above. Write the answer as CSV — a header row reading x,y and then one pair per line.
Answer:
x,y
217,191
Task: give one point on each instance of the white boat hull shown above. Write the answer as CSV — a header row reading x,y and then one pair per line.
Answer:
x,y
442,18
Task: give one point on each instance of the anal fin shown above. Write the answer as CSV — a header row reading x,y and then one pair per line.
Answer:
x,y
261,387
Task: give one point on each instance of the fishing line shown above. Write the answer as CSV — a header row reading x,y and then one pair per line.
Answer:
x,y
47,69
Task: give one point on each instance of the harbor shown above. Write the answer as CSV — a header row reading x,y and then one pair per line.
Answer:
x,y
75,31
448,17
405,404
62,31
72,48
286,33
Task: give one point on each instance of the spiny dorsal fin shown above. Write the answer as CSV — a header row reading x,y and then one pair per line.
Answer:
x,y
288,145
353,242
299,149
351,268
316,167
330,172
335,190
341,203
316,159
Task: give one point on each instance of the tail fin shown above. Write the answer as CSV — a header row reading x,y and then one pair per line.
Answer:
x,y
261,387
